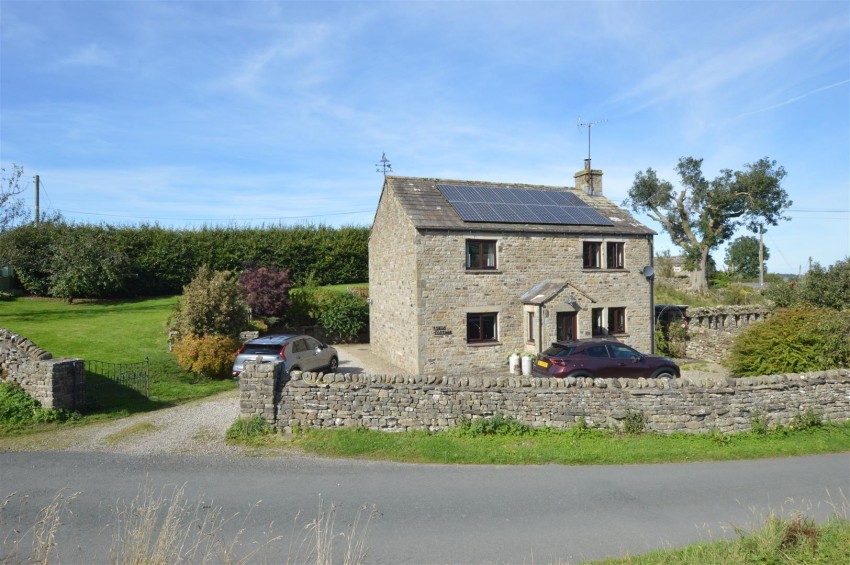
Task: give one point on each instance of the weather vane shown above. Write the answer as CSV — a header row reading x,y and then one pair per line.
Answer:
x,y
589,125
383,166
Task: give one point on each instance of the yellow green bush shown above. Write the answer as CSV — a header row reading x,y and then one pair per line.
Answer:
x,y
209,356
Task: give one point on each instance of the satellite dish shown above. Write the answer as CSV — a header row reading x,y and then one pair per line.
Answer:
x,y
648,271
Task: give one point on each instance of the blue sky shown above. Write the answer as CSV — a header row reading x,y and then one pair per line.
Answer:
x,y
185,113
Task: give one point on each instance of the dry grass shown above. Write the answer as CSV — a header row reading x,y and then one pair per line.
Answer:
x,y
319,538
162,527
40,538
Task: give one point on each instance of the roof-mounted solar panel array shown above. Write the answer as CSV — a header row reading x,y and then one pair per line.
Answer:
x,y
481,203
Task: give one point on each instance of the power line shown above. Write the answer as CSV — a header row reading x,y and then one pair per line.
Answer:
x,y
217,219
43,188
814,210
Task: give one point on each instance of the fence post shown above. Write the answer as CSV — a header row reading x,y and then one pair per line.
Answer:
x,y
147,377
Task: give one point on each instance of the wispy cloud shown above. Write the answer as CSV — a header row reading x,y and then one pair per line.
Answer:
x,y
709,71
292,58
793,99
92,55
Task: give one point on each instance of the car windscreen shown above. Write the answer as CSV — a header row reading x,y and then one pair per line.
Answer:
x,y
558,351
261,349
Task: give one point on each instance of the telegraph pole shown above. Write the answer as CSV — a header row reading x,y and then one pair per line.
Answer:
x,y
37,213
761,256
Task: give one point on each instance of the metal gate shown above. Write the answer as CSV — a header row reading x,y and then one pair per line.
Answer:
x,y
135,376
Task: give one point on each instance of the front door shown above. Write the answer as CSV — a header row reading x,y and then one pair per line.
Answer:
x,y
566,326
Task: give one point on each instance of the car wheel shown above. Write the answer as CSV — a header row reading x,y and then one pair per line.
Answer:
x,y
334,364
663,374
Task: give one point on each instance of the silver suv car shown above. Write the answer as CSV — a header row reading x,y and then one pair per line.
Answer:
x,y
296,352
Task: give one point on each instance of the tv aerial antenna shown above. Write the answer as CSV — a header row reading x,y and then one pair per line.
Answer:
x,y
383,166
589,126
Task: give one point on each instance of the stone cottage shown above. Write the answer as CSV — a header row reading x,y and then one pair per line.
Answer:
x,y
464,273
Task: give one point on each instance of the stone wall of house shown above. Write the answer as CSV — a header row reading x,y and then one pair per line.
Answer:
x,y
399,403
55,383
393,324
447,292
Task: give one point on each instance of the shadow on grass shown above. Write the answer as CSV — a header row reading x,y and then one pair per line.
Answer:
x,y
104,396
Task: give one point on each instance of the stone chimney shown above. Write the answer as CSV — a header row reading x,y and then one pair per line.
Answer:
x,y
589,180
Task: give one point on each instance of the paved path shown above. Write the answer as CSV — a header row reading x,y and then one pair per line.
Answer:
x,y
435,514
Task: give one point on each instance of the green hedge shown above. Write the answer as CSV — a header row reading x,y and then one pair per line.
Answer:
x,y
159,261
793,340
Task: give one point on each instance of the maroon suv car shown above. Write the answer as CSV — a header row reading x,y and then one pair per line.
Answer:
x,y
603,358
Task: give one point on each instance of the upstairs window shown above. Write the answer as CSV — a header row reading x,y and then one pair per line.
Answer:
x,y
480,254
615,255
592,255
480,328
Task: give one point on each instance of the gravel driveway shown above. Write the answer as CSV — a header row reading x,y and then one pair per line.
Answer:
x,y
194,428
198,427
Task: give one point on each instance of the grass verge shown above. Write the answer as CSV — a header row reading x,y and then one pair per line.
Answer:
x,y
124,331
793,540
570,447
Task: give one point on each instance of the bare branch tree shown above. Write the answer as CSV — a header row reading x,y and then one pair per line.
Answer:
x,y
12,207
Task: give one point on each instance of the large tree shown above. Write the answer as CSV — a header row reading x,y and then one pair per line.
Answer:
x,y
701,215
742,257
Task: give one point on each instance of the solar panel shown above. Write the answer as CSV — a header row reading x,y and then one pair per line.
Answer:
x,y
481,203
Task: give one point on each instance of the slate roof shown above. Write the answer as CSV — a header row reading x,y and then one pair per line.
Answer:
x,y
543,292
426,206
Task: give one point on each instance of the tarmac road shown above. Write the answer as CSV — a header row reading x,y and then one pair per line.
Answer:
x,y
431,513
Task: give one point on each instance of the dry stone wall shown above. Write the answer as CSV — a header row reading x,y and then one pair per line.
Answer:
x,y
55,383
399,403
712,331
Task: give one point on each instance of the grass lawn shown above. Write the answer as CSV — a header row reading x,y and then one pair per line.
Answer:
x,y
344,287
123,331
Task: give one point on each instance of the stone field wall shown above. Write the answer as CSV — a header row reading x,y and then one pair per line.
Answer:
x,y
55,383
399,403
711,331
